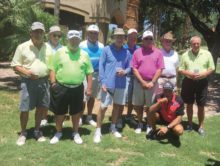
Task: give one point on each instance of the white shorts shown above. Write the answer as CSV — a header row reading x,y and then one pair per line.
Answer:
x,y
117,95
95,87
142,96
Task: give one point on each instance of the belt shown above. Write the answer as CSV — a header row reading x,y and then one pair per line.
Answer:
x,y
69,85
163,76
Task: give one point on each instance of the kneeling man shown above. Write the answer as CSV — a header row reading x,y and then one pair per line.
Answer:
x,y
168,108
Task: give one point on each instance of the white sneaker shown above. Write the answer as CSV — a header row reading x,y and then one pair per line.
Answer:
x,y
115,133
21,140
148,129
91,122
77,139
43,123
97,137
56,138
80,122
39,136
138,130
119,123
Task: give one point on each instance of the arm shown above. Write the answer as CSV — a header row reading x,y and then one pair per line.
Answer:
x,y
26,72
102,70
203,74
154,80
89,84
164,130
52,78
155,107
139,78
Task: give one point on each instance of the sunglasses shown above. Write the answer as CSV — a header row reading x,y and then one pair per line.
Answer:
x,y
148,38
56,35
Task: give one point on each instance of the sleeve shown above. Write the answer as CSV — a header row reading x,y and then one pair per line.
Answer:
x,y
17,59
180,110
211,65
128,64
134,61
102,63
89,68
160,62
53,62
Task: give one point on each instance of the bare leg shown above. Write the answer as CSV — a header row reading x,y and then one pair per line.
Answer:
x,y
45,115
100,116
189,111
130,108
38,116
139,110
75,121
24,120
201,115
90,105
115,112
59,122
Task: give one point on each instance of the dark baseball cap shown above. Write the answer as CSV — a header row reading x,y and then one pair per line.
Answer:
x,y
168,85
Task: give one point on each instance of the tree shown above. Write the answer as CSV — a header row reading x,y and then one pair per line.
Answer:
x,y
200,13
15,22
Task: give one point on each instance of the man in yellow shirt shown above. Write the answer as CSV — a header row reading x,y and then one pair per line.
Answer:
x,y
196,64
69,67
30,62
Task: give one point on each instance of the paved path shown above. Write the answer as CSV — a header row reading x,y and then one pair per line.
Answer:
x,y
11,81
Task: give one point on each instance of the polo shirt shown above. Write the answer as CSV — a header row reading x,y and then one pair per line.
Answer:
x,y
54,48
71,68
147,62
131,52
171,62
110,60
203,61
31,58
94,51
169,111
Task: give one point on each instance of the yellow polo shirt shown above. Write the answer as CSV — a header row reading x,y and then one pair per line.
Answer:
x,y
31,58
203,61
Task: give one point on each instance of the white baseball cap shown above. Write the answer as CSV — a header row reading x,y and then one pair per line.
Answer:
x,y
147,33
132,30
93,28
37,25
73,33
55,28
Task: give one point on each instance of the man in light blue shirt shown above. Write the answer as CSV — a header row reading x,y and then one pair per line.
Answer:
x,y
114,64
131,47
94,48
54,37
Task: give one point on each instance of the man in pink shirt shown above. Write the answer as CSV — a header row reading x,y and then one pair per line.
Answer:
x,y
147,64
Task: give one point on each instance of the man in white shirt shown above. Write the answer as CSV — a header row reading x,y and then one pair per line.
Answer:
x,y
171,62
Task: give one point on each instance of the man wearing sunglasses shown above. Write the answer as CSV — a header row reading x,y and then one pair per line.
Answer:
x,y
94,48
147,64
54,37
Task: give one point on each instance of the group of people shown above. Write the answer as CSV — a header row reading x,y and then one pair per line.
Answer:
x,y
64,79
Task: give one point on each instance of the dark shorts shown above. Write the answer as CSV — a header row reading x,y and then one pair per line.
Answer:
x,y
62,98
161,120
34,93
194,90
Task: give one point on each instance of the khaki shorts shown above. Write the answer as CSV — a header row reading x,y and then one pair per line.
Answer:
x,y
142,96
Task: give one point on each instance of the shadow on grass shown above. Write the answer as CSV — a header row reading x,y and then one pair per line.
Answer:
x,y
194,125
212,162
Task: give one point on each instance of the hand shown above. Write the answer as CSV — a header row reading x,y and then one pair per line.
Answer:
x,y
104,88
198,76
162,131
150,85
121,73
163,100
31,75
144,84
175,89
88,91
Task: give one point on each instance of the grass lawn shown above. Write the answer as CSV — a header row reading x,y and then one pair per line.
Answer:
x,y
132,149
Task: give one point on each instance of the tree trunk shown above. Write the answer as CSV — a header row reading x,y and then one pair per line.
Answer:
x,y
186,30
57,10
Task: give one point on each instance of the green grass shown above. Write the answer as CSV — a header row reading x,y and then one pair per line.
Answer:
x,y
132,149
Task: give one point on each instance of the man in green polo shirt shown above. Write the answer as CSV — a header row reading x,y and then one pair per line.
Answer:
x,y
196,64
68,68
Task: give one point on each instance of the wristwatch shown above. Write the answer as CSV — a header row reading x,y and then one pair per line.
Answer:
x,y
168,127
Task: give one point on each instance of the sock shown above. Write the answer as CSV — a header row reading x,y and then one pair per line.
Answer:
x,y
36,131
98,130
89,117
59,134
24,133
74,133
112,126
